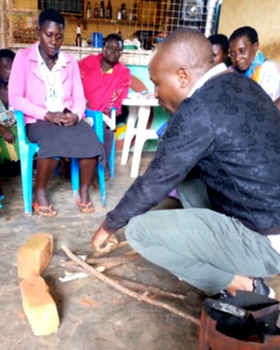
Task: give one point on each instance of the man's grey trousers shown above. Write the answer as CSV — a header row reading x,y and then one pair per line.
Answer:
x,y
202,247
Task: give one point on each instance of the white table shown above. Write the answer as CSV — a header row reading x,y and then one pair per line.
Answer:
x,y
139,112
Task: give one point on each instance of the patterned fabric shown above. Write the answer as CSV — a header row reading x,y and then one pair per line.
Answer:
x,y
266,73
52,78
253,72
8,151
229,131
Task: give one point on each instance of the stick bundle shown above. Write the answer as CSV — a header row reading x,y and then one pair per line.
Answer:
x,y
114,283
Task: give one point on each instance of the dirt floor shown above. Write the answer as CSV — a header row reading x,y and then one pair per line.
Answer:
x,y
93,315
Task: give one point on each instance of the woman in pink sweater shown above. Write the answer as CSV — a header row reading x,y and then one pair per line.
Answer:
x,y
45,85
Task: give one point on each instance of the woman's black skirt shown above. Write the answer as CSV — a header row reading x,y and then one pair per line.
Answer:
x,y
78,141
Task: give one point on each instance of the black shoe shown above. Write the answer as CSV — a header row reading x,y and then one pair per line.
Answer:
x,y
225,294
259,287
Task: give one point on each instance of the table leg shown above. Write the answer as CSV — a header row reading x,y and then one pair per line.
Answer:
x,y
130,132
141,137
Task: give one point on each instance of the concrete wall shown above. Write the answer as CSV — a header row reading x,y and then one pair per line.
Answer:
x,y
263,15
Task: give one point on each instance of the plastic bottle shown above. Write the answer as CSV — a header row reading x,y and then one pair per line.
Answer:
x,y
124,12
88,12
135,12
102,10
96,11
119,14
78,38
109,10
130,15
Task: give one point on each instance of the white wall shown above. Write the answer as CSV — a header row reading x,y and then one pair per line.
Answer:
x,y
263,15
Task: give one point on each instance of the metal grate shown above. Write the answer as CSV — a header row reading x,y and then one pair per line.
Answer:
x,y
143,19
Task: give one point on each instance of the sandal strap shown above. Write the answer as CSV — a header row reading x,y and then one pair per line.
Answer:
x,y
86,206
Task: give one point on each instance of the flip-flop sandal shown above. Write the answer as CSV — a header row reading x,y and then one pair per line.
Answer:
x,y
44,211
85,208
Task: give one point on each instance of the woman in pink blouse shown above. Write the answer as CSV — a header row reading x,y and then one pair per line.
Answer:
x,y
45,85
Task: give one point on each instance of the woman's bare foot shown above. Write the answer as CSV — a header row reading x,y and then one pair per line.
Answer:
x,y
84,195
41,198
42,205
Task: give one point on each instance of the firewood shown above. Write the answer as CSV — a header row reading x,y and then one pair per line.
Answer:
x,y
140,297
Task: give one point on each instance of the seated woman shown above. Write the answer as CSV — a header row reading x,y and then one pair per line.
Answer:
x,y
45,85
106,82
250,61
220,48
8,130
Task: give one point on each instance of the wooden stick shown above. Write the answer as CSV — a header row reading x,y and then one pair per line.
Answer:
x,y
127,291
107,263
146,288
94,260
74,267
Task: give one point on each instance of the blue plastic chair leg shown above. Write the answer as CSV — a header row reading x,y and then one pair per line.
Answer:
x,y
57,170
101,177
112,159
75,176
98,128
26,164
1,198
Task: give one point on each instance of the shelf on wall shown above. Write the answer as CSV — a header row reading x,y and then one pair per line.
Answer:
x,y
121,22
35,11
13,9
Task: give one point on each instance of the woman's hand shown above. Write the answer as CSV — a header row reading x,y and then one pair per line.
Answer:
x,y
55,117
7,134
70,119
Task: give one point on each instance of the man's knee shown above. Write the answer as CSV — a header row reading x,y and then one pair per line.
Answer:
x,y
132,230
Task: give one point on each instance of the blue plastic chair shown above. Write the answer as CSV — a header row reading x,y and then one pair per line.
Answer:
x,y
98,128
27,151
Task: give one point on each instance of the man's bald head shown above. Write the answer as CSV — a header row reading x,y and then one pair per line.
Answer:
x,y
178,63
189,47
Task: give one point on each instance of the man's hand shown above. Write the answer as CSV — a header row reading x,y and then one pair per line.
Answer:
x,y
99,239
7,134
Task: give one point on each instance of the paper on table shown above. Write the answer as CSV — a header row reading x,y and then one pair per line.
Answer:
x,y
146,95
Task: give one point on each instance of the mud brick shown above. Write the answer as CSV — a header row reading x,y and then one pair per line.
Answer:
x,y
39,307
35,255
